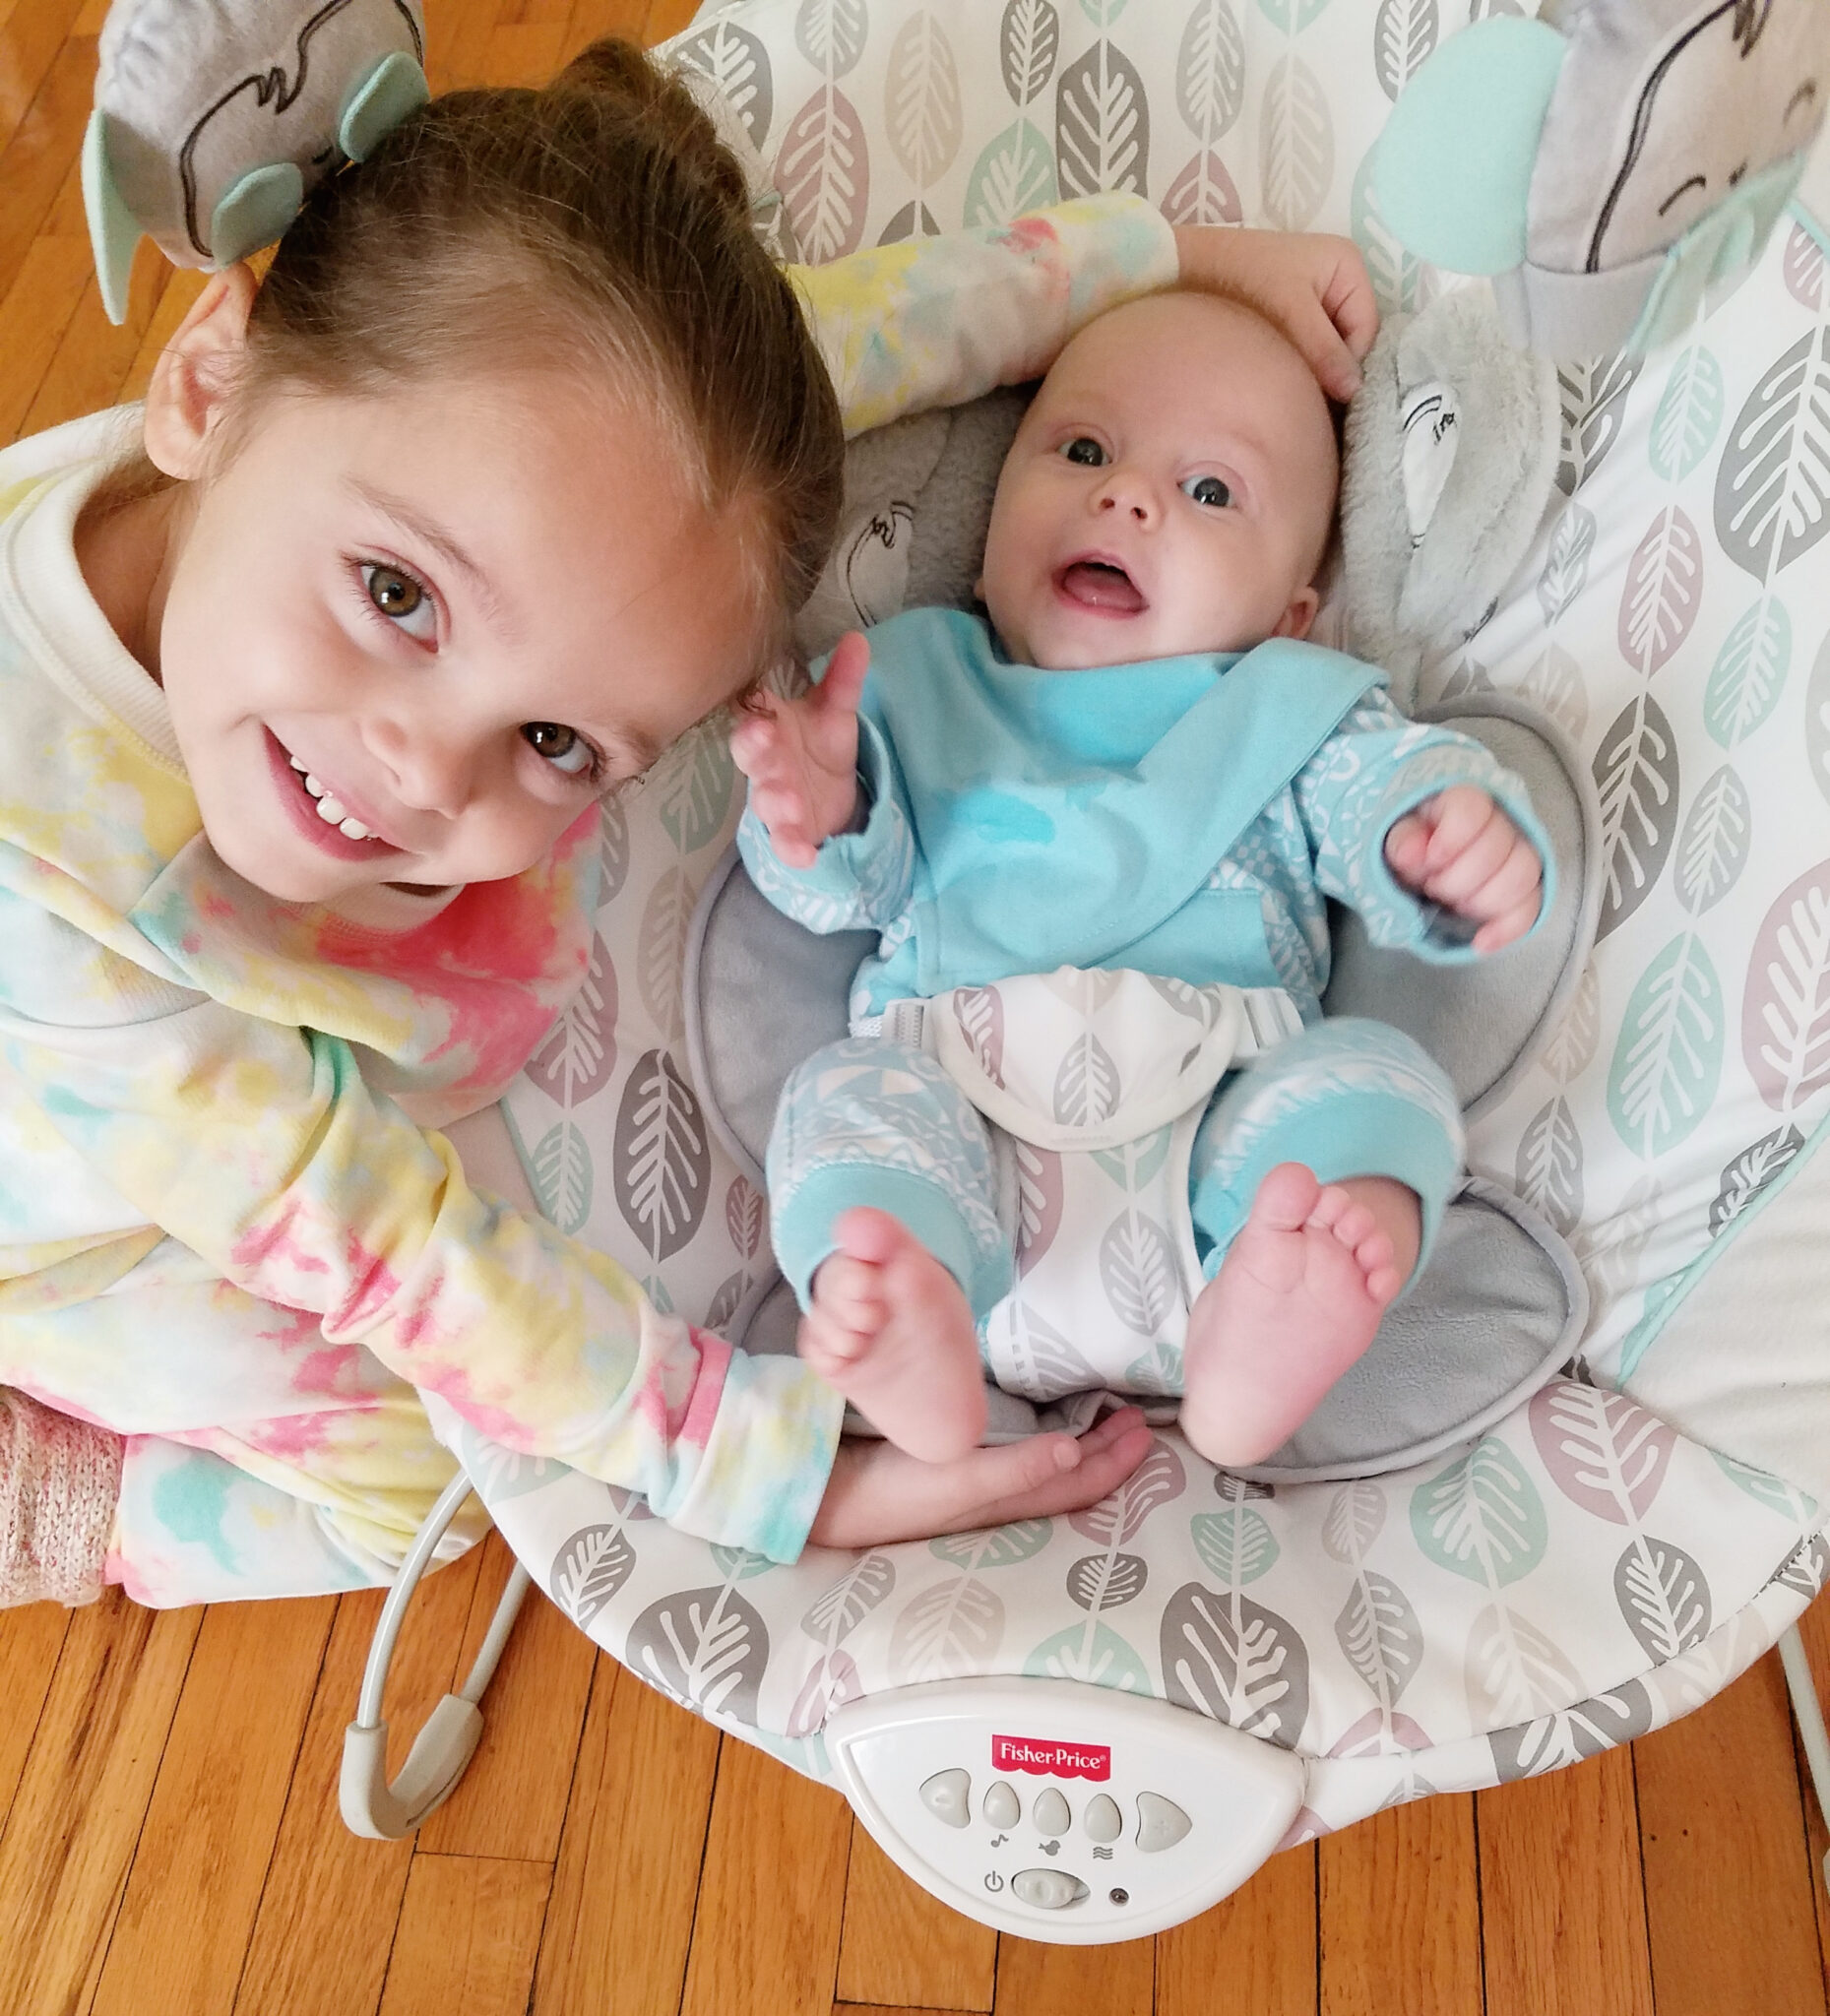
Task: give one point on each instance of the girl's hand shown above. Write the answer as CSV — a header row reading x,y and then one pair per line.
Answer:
x,y
801,757
878,1495
1315,287
1461,851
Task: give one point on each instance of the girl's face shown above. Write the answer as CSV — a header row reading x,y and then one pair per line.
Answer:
x,y
408,640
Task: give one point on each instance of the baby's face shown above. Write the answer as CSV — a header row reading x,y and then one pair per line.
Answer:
x,y
1170,491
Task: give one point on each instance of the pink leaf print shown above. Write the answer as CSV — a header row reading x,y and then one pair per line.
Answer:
x,y
1204,194
1664,585
823,171
743,1217
1306,1826
1786,1011
1604,1451
1114,1521
832,1682
578,1057
1378,1734
1039,1195
1804,268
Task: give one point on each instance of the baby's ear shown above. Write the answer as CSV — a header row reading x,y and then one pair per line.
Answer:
x,y
1299,619
195,372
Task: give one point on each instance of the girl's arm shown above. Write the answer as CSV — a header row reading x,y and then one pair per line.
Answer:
x,y
934,321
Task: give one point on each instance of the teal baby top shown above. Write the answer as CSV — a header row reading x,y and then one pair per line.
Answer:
x,y
1184,816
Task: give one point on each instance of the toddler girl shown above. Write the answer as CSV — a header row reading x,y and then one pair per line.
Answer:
x,y
1137,764
515,468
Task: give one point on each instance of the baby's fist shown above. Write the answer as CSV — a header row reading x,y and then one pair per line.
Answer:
x,y
1462,851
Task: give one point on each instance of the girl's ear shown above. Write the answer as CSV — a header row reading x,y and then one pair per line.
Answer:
x,y
195,373
1299,618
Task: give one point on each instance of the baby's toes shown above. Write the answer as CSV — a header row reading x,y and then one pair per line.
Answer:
x,y
826,1346
850,1293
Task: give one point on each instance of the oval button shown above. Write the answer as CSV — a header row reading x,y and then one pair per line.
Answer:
x,y
1002,1808
1103,1819
946,1796
1051,1889
1050,1815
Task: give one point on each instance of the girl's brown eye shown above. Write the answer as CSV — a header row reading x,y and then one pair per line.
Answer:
x,y
564,748
393,593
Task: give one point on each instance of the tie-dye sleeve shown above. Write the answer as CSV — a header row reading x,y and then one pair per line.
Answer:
x,y
933,321
262,1148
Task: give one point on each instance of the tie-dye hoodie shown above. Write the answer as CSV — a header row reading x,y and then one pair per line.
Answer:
x,y
184,1059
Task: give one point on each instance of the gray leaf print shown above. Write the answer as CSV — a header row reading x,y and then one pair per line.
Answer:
x,y
914,221
1662,1596
1296,145
980,1012
1085,1087
1554,686
1102,125
662,1158
1592,396
1355,1519
831,34
1379,1632
1713,846
612,848
1040,1194
579,1052
661,950
1803,269
1566,566
839,1610
744,1217
1786,1010
1105,1582
707,1648
1210,70
733,60
1751,1173
724,1303
1034,1359
1231,1658
1403,35
1548,1170
1583,1729
1661,593
1203,194
561,1174
589,1570
1773,483
953,1628
1028,39
1817,720
1138,1272
1119,1519
921,99
1636,776
1807,1568
692,786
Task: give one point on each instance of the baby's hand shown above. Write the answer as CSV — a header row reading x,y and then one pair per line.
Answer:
x,y
1461,851
800,757
1315,287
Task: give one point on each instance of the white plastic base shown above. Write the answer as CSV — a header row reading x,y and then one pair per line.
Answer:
x,y
1108,1857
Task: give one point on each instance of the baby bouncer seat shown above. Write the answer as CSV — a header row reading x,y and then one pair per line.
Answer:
x,y
1093,1727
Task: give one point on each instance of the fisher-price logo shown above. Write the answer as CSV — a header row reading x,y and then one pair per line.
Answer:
x,y
1052,1760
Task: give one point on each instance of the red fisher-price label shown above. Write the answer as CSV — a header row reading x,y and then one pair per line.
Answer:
x,y
1043,1758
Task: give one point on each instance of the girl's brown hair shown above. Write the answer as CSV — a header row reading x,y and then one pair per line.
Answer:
x,y
598,222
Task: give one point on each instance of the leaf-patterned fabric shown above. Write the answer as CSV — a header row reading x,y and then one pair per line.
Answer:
x,y
1589,1569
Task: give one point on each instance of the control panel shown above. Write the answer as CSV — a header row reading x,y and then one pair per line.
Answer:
x,y
1062,1811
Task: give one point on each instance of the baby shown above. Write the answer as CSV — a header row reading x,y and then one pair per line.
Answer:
x,y
1138,763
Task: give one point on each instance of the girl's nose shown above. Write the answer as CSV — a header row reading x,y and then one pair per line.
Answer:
x,y
430,769
1129,493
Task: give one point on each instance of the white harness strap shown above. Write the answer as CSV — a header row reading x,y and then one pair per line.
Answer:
x,y
1094,1083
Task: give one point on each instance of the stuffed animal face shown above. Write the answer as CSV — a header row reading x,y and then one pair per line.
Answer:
x,y
1722,92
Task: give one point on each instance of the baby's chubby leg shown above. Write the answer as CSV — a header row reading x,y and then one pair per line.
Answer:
x,y
1298,1299
890,1329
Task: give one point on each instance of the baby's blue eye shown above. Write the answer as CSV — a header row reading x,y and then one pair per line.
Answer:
x,y
1208,490
564,748
1086,451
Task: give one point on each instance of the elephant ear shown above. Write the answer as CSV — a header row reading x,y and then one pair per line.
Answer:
x,y
113,229
1452,170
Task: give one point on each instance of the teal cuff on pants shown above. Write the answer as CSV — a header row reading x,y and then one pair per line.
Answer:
x,y
1369,1135
802,1229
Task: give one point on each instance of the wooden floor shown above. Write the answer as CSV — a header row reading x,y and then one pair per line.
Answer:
x,y
170,1842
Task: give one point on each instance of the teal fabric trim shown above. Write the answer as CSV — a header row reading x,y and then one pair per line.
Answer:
x,y
1365,1134
802,1229
113,229
1661,1307
1452,170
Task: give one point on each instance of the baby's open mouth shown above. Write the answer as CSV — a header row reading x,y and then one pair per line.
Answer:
x,y
1102,584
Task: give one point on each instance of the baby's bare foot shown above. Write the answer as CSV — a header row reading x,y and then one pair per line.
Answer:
x,y
892,1331
1299,1297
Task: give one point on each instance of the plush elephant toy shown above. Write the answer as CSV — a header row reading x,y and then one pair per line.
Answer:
x,y
1614,165
214,118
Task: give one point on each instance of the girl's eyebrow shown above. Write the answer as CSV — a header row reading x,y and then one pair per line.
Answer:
x,y
440,541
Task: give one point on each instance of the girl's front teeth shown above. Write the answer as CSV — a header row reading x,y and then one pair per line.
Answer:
x,y
331,810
